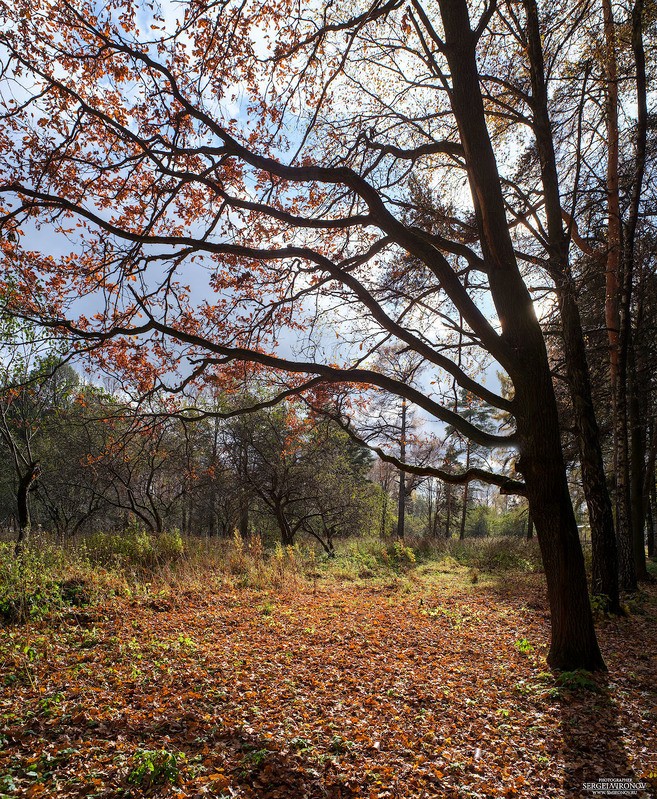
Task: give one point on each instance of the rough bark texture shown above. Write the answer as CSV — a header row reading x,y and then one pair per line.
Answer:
x,y
613,261
574,643
603,538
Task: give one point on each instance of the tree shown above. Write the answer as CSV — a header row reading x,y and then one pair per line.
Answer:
x,y
129,143
308,476
34,387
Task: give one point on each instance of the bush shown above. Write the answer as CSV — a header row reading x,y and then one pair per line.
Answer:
x,y
154,768
401,556
135,547
43,578
28,589
499,554
484,554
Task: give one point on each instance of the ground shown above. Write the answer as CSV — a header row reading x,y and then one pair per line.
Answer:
x,y
389,690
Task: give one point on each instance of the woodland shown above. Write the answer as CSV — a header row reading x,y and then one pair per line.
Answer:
x,y
328,425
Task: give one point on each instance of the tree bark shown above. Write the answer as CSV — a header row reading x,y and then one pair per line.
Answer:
x,y
604,579
25,485
448,508
613,261
466,487
401,503
631,428
574,644
287,536
651,525
637,474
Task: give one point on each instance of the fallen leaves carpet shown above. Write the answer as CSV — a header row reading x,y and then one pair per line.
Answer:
x,y
336,694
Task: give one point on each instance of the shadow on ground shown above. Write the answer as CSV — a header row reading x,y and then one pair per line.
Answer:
x,y
594,749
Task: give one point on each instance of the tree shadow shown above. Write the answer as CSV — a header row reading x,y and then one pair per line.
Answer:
x,y
593,746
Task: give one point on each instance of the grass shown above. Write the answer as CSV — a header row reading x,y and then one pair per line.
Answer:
x,y
55,576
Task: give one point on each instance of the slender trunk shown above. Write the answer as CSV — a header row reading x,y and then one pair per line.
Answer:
x,y
530,526
651,525
436,515
604,550
541,461
466,487
401,505
637,470
384,513
603,539
626,554
613,261
617,363
244,513
448,516
633,436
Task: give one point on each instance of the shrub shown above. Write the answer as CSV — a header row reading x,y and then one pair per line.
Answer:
x,y
401,556
135,547
169,546
28,584
498,554
153,768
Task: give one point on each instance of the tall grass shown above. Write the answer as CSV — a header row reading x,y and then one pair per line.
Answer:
x,y
51,575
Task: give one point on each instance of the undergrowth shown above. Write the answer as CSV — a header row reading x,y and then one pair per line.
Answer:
x,y
53,576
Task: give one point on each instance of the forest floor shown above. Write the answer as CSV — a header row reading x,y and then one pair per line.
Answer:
x,y
337,691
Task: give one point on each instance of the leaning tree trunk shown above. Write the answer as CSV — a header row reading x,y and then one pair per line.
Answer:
x,y
574,644
25,485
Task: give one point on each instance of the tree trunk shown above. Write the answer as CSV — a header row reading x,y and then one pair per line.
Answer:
x,y
612,272
244,513
541,461
603,539
604,567
287,536
530,526
25,485
448,516
401,504
466,491
637,469
634,438
651,526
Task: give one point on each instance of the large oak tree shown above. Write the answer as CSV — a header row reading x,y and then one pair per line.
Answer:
x,y
230,183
